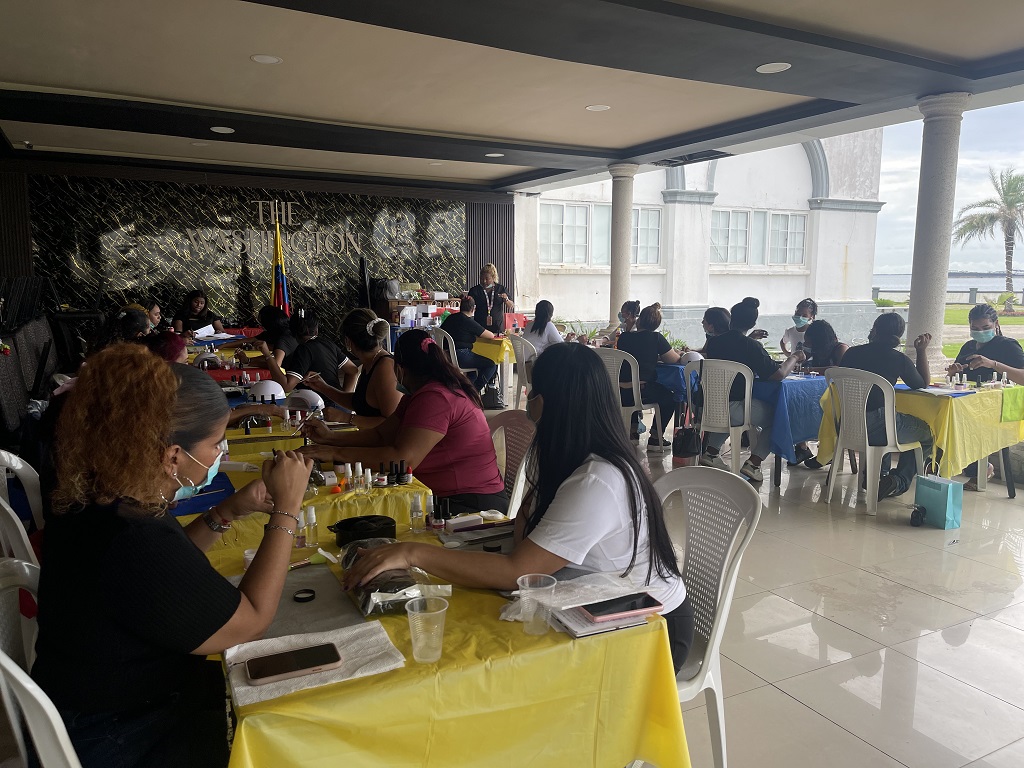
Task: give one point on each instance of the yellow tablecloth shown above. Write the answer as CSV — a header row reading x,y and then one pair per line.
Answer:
x,y
498,350
966,429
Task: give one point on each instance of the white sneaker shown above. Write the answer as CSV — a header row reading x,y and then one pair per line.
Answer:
x,y
748,470
707,460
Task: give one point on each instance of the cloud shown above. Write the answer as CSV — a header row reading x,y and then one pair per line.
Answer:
x,y
988,138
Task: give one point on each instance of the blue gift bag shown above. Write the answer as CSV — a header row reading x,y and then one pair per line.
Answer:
x,y
942,499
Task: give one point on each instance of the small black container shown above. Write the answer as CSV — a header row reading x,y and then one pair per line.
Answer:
x,y
364,527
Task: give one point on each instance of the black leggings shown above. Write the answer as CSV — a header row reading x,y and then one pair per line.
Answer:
x,y
680,632
653,393
475,502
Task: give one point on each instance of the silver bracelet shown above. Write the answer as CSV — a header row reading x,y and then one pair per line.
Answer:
x,y
289,531
286,514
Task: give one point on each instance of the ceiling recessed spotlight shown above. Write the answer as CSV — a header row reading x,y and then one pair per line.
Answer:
x,y
266,58
435,163
494,154
773,68
222,129
598,108
200,144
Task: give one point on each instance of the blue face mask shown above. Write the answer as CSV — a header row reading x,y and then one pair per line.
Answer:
x,y
188,491
708,335
983,337
621,318
800,321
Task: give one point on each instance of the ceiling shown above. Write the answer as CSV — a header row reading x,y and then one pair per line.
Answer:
x,y
420,94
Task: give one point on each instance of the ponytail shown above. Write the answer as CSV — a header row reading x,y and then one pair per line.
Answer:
x,y
417,353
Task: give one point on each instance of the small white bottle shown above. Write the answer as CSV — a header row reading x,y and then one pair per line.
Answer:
x,y
359,470
416,521
348,477
300,530
312,534
1004,381
368,481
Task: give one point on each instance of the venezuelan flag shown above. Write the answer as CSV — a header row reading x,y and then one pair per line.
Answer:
x,y
279,290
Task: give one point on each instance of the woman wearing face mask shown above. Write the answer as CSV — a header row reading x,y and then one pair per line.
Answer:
x,y
793,338
987,340
129,606
439,429
589,504
628,315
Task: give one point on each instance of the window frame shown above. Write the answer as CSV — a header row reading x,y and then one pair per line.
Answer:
x,y
764,262
591,205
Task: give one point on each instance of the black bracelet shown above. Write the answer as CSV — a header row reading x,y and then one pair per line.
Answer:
x,y
214,525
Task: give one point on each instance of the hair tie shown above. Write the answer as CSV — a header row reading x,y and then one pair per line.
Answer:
x,y
425,344
370,325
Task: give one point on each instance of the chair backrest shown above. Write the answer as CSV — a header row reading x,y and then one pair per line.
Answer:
x,y
50,737
13,538
512,432
716,505
17,632
524,350
613,360
30,482
849,389
716,379
447,343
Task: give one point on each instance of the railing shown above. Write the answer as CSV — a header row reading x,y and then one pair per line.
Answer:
x,y
970,296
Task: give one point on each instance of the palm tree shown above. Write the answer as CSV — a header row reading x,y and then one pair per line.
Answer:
x,y
1005,211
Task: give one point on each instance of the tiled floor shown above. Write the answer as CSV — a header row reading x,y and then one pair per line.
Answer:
x,y
861,641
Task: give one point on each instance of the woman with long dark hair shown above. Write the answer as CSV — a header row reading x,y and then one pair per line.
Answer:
x,y
540,331
439,429
195,313
588,504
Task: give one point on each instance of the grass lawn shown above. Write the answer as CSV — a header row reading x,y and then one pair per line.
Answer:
x,y
950,350
956,314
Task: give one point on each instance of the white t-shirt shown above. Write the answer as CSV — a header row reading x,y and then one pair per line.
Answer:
x,y
542,341
588,523
792,337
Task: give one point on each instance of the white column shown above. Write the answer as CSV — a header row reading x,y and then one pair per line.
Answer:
x,y
622,233
940,148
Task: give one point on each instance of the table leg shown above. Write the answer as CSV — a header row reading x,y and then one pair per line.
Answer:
x,y
777,477
982,477
1011,489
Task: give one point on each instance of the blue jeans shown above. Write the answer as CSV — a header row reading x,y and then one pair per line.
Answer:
x,y
485,369
762,415
909,429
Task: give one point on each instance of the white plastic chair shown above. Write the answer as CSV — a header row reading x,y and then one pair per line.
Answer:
x,y
30,482
50,737
512,433
613,360
525,352
447,343
848,394
17,633
715,505
716,383
13,538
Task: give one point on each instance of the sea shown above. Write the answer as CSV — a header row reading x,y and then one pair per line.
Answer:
x,y
989,285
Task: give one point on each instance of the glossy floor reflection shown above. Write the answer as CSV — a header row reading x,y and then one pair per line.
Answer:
x,y
861,641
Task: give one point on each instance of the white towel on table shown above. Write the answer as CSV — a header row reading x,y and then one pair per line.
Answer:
x,y
365,650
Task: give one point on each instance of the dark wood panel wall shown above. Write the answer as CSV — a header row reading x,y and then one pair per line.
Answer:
x,y
490,238
15,230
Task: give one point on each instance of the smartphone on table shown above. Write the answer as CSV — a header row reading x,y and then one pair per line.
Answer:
x,y
292,663
623,607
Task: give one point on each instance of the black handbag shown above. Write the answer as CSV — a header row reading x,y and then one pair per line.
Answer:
x,y
687,441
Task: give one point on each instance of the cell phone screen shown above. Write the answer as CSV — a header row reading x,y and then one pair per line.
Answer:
x,y
623,604
292,661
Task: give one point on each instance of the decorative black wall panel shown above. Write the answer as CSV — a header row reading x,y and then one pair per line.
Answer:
x,y
108,242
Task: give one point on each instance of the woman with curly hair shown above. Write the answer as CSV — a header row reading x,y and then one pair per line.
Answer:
x,y
129,606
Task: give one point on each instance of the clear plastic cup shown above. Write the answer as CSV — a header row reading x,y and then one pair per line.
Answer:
x,y
426,625
247,557
535,592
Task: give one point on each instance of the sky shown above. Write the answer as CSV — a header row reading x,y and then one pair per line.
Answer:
x,y
989,137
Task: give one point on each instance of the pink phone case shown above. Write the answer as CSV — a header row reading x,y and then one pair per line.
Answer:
x,y
624,614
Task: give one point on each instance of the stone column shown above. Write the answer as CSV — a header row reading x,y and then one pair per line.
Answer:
x,y
940,147
622,235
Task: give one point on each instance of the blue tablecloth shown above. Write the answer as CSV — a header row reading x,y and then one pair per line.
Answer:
x,y
797,411
217,342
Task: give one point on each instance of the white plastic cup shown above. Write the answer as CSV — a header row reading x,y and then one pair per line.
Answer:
x,y
247,557
535,592
426,626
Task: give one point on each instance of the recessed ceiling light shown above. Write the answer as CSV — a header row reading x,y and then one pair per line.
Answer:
x,y
773,68
435,163
200,144
598,108
222,129
266,58
494,154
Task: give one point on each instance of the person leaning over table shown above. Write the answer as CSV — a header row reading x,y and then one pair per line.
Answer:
x,y
880,356
491,299
129,605
465,330
439,429
195,313
314,353
376,395
276,340
589,503
738,346
823,350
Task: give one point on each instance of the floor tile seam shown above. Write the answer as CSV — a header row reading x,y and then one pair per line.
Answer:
x,y
985,757
1001,568
838,725
818,669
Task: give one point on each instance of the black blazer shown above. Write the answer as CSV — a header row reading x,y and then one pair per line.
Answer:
x,y
497,324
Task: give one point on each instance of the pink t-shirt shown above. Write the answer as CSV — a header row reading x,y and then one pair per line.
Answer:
x,y
464,460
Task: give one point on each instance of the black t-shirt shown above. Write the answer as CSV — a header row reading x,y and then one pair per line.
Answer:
x,y
483,298
646,347
1002,349
318,354
740,348
885,361
123,601
463,329
284,341
195,323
